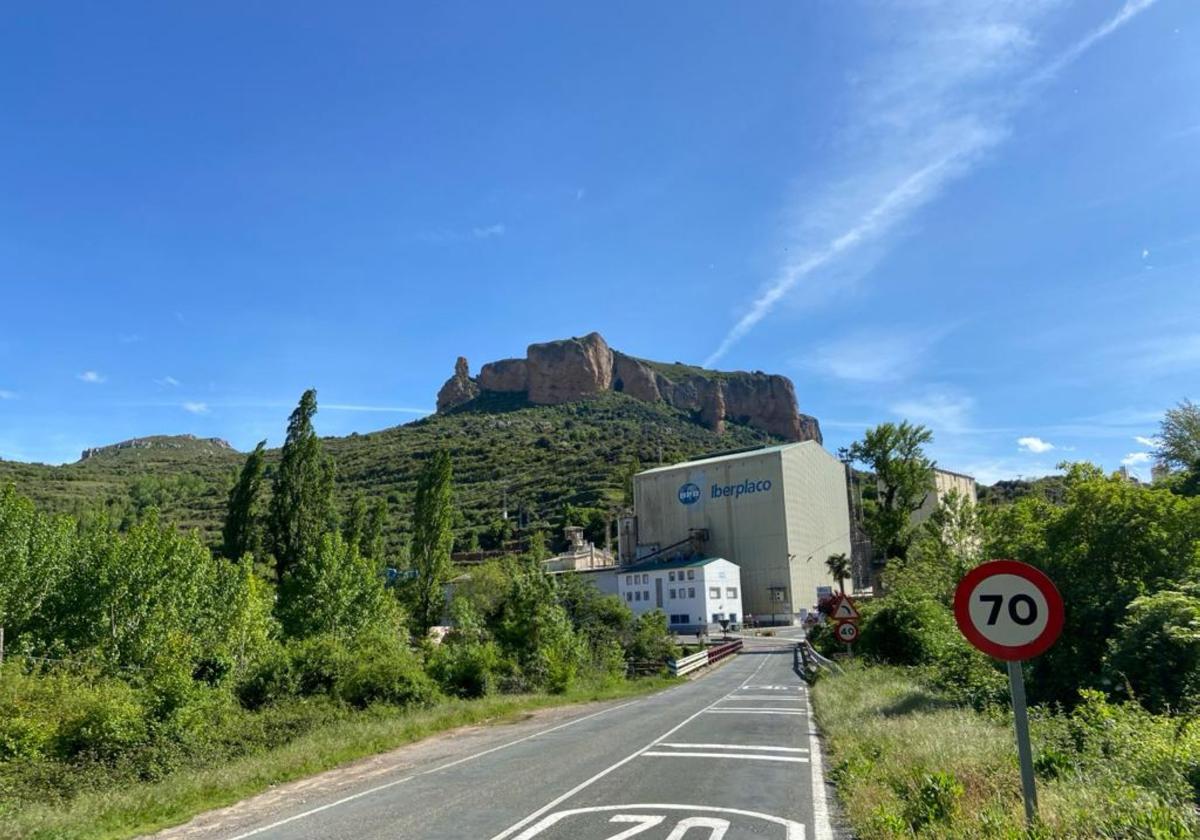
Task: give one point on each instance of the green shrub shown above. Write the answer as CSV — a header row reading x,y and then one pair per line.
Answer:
x,y
466,669
320,664
271,679
1156,651
24,738
109,722
906,629
383,670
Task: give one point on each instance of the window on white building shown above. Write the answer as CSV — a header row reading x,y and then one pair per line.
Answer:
x,y
731,592
691,592
671,576
628,596
628,580
672,593
691,574
714,592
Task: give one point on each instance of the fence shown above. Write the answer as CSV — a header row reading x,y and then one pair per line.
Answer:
x,y
687,664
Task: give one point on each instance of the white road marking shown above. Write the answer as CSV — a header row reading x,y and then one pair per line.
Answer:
x,y
762,709
821,825
716,711
755,757
775,697
794,830
736,747
440,767
517,826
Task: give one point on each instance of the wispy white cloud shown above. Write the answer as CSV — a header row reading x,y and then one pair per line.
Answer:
x,y
928,113
488,231
878,355
91,377
8,395
1162,356
195,407
1034,444
942,410
167,380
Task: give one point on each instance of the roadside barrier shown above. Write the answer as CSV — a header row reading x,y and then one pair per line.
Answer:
x,y
690,663
716,654
687,664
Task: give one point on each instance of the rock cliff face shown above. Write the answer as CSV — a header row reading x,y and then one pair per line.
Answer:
x,y
569,370
578,368
505,376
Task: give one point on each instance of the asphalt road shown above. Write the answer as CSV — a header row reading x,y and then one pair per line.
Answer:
x,y
730,755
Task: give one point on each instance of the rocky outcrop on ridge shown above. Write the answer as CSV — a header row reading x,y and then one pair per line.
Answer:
x,y
459,388
188,442
573,369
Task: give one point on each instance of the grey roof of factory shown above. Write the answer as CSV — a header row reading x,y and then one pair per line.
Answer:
x,y
731,456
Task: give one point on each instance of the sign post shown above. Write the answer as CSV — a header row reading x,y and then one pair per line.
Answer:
x,y
1011,611
843,611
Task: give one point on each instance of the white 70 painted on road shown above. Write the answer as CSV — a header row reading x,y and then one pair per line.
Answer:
x,y
716,826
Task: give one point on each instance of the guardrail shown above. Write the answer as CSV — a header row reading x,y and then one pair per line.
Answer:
x,y
687,664
807,661
719,652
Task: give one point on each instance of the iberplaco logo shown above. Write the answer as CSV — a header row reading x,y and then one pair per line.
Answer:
x,y
689,494
738,490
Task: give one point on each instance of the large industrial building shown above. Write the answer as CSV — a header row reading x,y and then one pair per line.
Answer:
x,y
777,513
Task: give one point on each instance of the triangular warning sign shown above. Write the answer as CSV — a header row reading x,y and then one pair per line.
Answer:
x,y
844,610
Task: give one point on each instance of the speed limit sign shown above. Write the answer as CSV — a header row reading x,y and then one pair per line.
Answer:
x,y
1011,611
846,632
1008,610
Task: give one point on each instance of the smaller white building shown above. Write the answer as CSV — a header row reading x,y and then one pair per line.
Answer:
x,y
696,593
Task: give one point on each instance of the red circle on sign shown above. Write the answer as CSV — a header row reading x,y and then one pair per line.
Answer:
x,y
846,631
1056,612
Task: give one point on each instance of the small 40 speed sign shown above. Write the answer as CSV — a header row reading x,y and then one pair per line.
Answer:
x,y
1009,610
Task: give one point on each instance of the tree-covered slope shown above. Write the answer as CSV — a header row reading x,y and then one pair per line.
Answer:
x,y
535,458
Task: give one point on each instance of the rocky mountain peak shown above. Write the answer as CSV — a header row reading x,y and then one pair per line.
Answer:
x,y
574,369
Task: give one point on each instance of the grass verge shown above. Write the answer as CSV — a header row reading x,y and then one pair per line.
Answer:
x,y
139,808
908,762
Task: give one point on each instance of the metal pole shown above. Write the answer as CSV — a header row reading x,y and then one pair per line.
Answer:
x,y
1016,684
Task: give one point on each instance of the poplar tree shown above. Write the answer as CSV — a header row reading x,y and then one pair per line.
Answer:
x,y
242,533
432,539
302,507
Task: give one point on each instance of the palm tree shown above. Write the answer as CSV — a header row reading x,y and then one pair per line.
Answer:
x,y
839,567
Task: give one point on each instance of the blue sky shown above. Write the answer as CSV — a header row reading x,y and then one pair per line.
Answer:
x,y
980,216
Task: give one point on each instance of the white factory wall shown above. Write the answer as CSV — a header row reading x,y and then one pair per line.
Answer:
x,y
685,593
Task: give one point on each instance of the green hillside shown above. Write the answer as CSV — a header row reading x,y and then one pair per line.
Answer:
x,y
535,457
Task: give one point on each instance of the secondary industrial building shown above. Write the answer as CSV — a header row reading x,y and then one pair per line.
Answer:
x,y
776,513
696,593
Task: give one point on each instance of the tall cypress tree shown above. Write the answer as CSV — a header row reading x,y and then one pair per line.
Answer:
x,y
242,533
302,506
432,539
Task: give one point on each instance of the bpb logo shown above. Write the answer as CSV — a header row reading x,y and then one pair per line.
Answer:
x,y
689,494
